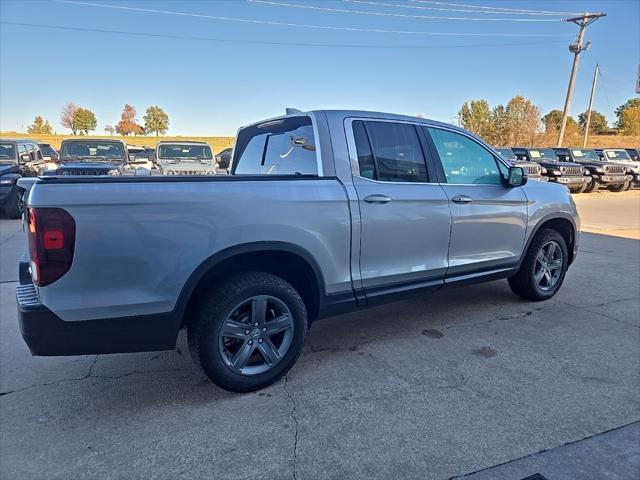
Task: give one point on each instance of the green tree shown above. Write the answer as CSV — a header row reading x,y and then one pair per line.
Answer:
x,y
84,120
597,125
40,125
476,116
156,121
631,103
553,119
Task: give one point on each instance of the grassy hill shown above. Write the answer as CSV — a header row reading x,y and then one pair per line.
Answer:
x,y
217,143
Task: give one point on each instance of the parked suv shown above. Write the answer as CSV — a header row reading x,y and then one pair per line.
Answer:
x,y
224,158
185,158
92,157
621,156
571,175
606,174
389,206
534,171
18,158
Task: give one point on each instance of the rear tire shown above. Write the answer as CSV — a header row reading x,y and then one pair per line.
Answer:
x,y
243,362
14,206
528,282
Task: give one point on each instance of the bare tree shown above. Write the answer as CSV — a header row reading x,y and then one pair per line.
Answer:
x,y
66,116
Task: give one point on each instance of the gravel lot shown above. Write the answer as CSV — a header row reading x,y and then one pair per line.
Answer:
x,y
433,388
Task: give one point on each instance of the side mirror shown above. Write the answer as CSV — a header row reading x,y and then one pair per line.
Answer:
x,y
132,157
25,157
516,177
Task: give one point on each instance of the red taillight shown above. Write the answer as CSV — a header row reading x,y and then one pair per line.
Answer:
x,y
52,238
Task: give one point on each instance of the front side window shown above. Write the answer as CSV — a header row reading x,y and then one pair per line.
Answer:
x,y
281,147
389,152
465,161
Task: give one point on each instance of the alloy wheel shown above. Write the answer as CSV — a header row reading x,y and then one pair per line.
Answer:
x,y
256,335
548,266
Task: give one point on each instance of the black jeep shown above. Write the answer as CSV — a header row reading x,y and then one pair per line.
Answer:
x,y
571,175
534,170
18,158
603,173
92,157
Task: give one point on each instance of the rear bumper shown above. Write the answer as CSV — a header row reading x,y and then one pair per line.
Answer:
x,y
46,334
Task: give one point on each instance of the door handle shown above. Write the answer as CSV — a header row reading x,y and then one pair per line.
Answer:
x,y
462,199
377,199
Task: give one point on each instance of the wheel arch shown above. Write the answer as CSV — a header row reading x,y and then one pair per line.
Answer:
x,y
563,223
286,260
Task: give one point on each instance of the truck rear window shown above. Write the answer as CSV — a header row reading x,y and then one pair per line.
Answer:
x,y
280,147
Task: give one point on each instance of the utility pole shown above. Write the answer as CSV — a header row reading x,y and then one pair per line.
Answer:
x,y
576,49
588,124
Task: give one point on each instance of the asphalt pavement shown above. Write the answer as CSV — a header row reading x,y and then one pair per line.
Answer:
x,y
469,383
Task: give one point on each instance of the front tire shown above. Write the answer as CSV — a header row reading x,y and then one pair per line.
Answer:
x,y
618,188
248,331
592,186
543,268
14,206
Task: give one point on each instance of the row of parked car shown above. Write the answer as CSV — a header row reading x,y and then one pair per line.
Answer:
x,y
29,158
579,169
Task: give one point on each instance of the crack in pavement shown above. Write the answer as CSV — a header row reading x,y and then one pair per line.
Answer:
x,y
295,420
10,237
593,435
91,375
604,315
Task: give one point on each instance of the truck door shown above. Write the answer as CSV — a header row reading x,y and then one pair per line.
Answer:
x,y
489,218
404,214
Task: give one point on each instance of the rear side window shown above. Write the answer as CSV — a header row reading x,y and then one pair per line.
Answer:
x,y
389,152
281,147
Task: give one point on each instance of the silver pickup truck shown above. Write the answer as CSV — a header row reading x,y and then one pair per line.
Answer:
x,y
325,212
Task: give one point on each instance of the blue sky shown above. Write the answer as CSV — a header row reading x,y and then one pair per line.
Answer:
x,y
212,88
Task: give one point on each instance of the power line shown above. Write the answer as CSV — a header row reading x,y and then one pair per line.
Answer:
x,y
502,9
441,9
400,15
262,42
302,25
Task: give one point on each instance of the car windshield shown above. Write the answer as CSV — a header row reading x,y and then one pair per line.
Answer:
x,y
543,154
91,151
180,152
586,154
506,153
7,152
614,155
